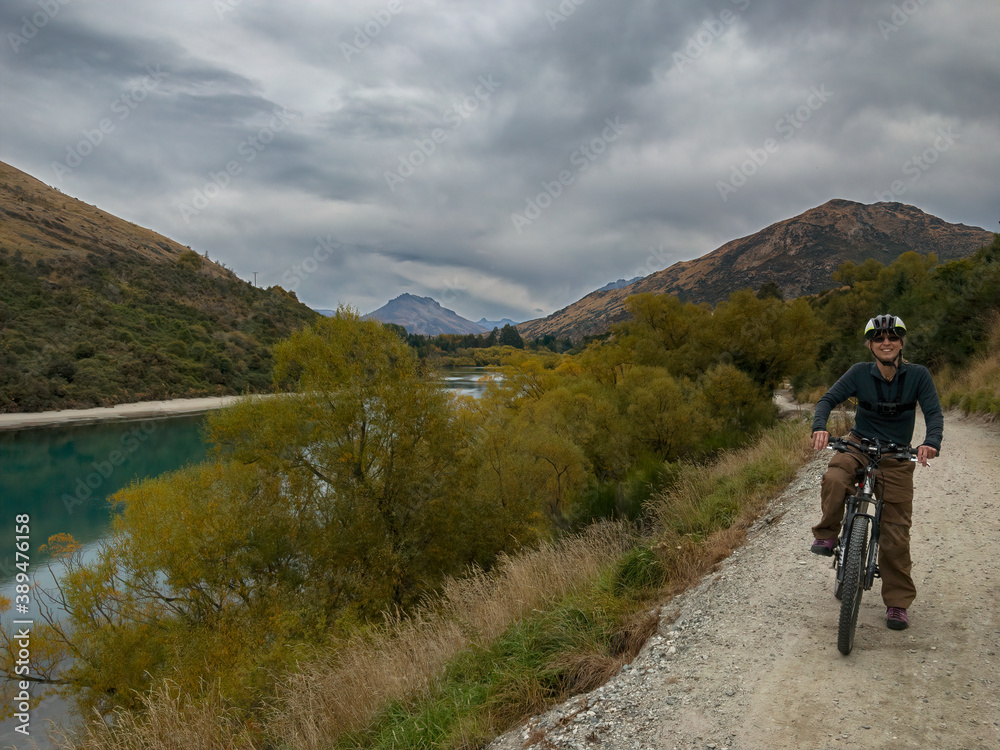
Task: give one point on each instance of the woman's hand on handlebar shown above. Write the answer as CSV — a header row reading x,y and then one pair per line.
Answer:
x,y
924,452
821,438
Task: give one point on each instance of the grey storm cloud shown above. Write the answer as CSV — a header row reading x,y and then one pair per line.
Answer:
x,y
508,158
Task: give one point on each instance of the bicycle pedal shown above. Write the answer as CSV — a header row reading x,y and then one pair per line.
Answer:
x,y
876,573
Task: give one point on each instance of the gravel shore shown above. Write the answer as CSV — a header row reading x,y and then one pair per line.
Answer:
x,y
142,410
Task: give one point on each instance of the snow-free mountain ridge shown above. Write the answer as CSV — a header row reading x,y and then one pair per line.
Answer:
x,y
799,254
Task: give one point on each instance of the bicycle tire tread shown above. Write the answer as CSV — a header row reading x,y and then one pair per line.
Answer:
x,y
853,587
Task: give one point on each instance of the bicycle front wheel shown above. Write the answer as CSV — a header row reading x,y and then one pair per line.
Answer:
x,y
854,583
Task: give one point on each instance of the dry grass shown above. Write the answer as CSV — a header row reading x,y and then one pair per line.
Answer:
x,y
404,659
705,515
976,390
42,222
169,721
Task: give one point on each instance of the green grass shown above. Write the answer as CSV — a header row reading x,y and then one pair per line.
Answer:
x,y
572,647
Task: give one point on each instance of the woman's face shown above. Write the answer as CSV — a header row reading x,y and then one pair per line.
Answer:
x,y
886,347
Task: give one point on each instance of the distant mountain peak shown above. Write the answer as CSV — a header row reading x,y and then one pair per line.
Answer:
x,y
408,296
489,325
620,284
424,315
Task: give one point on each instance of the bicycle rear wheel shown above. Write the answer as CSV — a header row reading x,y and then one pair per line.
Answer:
x,y
854,581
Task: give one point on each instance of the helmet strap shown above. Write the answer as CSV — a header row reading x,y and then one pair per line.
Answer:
x,y
891,364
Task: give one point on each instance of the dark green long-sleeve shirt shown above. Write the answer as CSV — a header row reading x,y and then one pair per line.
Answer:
x,y
861,381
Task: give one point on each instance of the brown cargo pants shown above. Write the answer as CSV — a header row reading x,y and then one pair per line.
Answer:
x,y
894,484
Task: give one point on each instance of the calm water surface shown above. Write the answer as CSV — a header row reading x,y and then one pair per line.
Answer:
x,y
62,477
466,380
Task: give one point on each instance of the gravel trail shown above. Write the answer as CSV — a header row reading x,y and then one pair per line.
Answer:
x,y
747,660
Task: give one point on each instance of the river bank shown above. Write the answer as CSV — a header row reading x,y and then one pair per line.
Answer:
x,y
466,380
141,410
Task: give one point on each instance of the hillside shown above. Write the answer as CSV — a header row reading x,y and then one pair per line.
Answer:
x,y
96,311
425,316
798,254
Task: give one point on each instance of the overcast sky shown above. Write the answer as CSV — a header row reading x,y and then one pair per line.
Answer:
x,y
505,157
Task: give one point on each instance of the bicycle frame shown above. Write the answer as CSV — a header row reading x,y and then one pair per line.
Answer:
x,y
856,556
858,504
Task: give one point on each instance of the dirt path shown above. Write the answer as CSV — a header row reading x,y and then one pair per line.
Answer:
x,y
748,659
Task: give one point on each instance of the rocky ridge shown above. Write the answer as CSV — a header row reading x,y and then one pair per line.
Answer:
x,y
425,316
799,254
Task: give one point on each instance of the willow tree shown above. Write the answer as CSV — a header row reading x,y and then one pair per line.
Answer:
x,y
349,494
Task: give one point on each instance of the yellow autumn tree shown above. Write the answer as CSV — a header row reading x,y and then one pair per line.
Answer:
x,y
352,493
768,339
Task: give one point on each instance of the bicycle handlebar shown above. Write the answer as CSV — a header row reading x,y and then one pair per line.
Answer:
x,y
874,448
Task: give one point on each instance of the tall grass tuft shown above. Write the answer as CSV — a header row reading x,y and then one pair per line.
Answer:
x,y
705,513
976,390
168,721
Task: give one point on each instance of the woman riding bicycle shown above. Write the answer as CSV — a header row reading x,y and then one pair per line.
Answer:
x,y
888,392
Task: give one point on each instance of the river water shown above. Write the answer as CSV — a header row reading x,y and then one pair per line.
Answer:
x,y
61,478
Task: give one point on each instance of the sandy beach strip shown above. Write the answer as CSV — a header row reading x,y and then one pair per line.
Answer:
x,y
142,410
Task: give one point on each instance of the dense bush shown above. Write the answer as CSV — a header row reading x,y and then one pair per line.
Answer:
x,y
367,485
149,331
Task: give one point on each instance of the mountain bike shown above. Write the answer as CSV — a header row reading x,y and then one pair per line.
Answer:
x,y
855,558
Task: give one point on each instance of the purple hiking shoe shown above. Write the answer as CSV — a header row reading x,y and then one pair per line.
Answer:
x,y
823,547
895,618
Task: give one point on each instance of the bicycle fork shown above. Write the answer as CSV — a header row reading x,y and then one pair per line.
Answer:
x,y
872,571
856,509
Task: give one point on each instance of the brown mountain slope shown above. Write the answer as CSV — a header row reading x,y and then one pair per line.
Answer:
x,y
799,255
42,222
96,311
